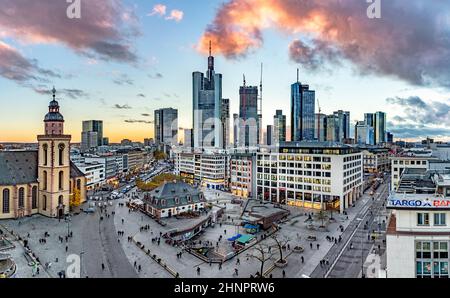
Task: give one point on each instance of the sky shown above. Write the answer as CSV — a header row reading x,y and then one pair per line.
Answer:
x,y
125,58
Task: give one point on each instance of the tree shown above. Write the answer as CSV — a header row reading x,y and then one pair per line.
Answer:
x,y
263,254
322,216
156,181
280,243
159,155
75,198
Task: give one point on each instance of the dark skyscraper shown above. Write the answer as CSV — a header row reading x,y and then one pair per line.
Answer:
x,y
166,126
248,116
269,135
302,112
94,126
207,107
225,122
343,126
279,127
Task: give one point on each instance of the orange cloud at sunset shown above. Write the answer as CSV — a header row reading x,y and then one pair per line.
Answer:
x,y
409,42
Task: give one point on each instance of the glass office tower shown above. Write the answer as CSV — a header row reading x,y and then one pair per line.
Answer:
x,y
302,112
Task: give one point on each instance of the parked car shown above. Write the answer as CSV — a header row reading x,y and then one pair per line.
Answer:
x,y
89,210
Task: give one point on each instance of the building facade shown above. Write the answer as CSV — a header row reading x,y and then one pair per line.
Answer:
x,y
248,116
302,112
207,107
43,181
310,175
418,232
207,168
166,126
279,127
242,171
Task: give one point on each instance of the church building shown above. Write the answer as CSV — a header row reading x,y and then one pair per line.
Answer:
x,y
44,181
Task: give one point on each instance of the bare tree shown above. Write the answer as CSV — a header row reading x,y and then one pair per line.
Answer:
x,y
281,242
263,254
322,216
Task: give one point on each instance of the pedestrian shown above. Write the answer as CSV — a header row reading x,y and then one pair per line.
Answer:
x,y
135,264
67,248
198,270
139,268
318,246
238,262
103,266
310,245
236,272
303,260
123,220
284,274
220,266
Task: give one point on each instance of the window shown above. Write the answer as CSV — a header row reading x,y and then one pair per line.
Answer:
x,y
61,180
21,197
6,201
45,149
61,148
44,180
423,219
34,197
44,202
439,219
432,259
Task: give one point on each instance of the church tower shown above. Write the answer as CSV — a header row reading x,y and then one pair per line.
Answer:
x,y
54,164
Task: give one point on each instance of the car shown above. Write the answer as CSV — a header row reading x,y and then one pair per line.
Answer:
x,y
89,210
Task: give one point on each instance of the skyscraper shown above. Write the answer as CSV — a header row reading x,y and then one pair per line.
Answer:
x,y
302,112
279,127
225,119
235,130
187,138
207,107
94,126
166,126
332,128
369,119
248,116
343,125
320,130
270,135
380,127
364,134
89,141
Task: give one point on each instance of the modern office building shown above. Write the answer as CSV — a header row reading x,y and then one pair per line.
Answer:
x,y
270,138
343,127
235,130
369,119
225,122
279,127
389,137
320,127
375,160
310,175
94,126
89,141
302,112
207,108
418,230
105,141
380,127
248,116
206,167
332,128
364,134
187,143
242,171
166,126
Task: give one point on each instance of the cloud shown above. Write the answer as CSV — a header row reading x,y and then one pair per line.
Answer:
x,y
70,93
409,42
14,66
156,76
104,31
176,15
411,131
158,9
123,79
138,121
141,95
418,111
122,107
145,115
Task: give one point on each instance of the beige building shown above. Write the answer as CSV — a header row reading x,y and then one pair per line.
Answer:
x,y
43,181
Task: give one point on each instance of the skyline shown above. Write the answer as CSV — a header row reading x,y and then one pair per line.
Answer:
x,y
116,72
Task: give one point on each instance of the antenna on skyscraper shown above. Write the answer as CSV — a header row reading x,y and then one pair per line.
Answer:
x,y
210,48
244,79
298,75
260,92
